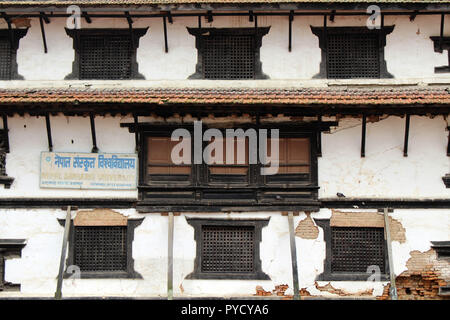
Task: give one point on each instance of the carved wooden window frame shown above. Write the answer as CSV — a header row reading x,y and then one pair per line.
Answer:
x,y
13,36
257,274
76,34
322,34
327,275
128,273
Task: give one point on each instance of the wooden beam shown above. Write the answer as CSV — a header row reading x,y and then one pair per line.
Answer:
x,y
363,137
94,138
170,258
44,40
58,293
448,143
387,232
405,146
166,46
293,256
291,18
49,132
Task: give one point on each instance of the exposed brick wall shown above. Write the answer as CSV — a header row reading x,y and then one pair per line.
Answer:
x,y
422,279
99,217
306,228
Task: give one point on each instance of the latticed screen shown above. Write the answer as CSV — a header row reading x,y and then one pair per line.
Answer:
x,y
354,249
5,58
353,55
105,57
100,248
228,57
228,249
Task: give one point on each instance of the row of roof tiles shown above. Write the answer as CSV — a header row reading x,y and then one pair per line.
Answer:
x,y
302,96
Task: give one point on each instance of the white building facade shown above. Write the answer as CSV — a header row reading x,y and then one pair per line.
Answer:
x,y
361,197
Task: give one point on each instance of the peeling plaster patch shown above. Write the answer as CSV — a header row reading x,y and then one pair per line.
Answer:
x,y
397,230
306,229
329,288
100,217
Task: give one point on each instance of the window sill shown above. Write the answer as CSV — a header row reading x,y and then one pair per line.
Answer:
x,y
349,277
6,181
227,276
104,275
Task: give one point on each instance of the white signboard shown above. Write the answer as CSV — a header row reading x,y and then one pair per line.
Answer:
x,y
116,171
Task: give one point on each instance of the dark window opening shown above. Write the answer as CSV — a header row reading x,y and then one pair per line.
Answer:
x,y
101,248
352,52
354,253
9,43
228,53
105,57
355,249
5,58
105,54
354,55
227,249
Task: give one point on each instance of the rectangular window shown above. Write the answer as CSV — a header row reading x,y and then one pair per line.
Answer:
x,y
228,53
353,249
294,162
352,52
105,57
5,58
227,249
353,55
229,57
231,171
160,167
100,248
105,54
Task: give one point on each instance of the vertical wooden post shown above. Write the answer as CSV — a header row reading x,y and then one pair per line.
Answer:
x,y
170,259
49,132
363,137
58,293
293,256
387,232
405,146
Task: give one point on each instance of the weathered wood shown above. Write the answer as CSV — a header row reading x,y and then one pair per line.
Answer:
x,y
293,255
387,231
170,258
58,293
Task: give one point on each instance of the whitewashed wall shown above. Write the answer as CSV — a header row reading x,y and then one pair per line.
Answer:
x,y
37,269
383,173
409,51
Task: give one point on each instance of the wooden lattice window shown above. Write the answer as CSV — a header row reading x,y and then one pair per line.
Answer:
x,y
228,53
9,43
5,58
354,249
105,57
106,54
227,249
352,52
353,55
354,253
100,248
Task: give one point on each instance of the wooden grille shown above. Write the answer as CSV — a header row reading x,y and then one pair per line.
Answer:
x,y
105,57
100,248
228,249
353,55
354,249
5,58
228,57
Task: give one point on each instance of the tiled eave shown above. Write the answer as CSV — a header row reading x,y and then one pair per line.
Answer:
x,y
345,100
